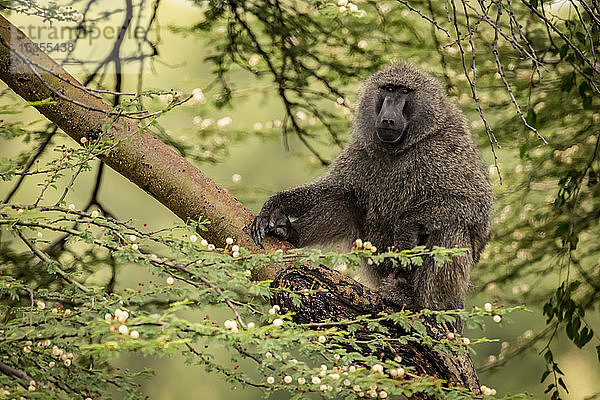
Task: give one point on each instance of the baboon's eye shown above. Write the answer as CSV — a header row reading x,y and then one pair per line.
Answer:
x,y
404,90
389,88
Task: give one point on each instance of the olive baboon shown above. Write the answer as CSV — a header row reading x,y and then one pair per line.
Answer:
x,y
410,176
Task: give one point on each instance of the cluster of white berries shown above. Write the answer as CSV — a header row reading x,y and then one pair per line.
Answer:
x,y
28,344
463,340
489,308
274,310
67,358
133,239
198,96
203,122
231,248
41,305
377,368
231,325
204,243
121,316
345,5
486,391
359,244
338,374
223,122
277,123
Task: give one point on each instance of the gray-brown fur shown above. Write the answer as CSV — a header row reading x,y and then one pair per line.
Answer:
x,y
431,189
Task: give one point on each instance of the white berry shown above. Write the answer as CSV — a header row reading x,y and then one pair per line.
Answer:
x,y
122,317
170,280
378,368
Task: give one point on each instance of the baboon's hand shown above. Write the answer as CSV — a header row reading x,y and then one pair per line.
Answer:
x,y
274,222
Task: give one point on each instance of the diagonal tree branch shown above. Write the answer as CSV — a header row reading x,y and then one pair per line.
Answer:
x,y
139,156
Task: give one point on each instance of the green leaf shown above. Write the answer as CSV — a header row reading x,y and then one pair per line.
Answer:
x,y
531,118
562,383
523,150
544,375
568,82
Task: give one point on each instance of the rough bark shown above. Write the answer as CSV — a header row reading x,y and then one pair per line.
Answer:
x,y
344,298
187,192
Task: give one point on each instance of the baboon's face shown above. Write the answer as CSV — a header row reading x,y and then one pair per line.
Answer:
x,y
393,105
398,106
